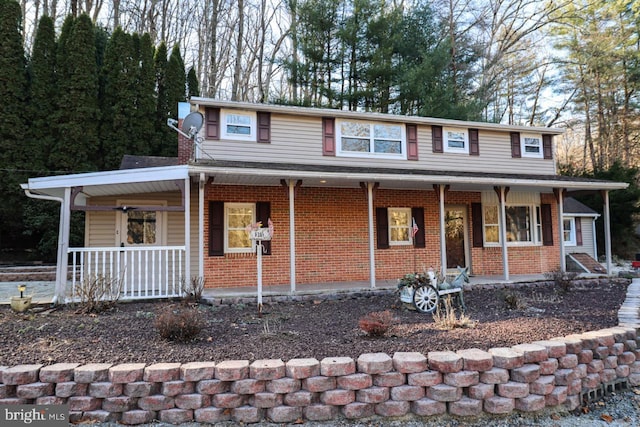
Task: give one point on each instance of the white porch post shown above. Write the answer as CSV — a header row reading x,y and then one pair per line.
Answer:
x,y
292,236
563,260
607,231
372,256
63,247
503,234
187,230
201,186
443,239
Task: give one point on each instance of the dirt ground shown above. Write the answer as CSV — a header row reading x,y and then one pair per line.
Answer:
x,y
319,328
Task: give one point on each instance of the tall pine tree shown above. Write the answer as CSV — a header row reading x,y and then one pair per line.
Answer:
x,y
13,92
77,115
175,85
143,129
162,101
193,87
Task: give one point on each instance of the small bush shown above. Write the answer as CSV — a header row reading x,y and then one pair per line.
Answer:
x,y
448,319
377,323
97,294
192,291
562,281
512,300
179,323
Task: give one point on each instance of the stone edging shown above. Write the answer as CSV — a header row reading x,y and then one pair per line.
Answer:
x,y
470,382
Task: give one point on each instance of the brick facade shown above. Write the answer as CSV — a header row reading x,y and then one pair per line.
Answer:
x,y
332,240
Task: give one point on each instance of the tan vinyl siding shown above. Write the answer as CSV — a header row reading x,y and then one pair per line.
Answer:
x,y
587,238
298,139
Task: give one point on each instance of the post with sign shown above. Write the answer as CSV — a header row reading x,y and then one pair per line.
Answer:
x,y
260,234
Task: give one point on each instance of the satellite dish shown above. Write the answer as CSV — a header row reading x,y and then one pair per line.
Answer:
x,y
192,123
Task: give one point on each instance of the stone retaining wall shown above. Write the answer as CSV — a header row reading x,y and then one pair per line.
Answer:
x,y
525,377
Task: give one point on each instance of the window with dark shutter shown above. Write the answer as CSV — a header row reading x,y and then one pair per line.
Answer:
x,y
578,222
474,142
436,138
412,142
547,149
216,228
382,228
515,144
212,123
328,136
263,213
418,217
476,219
547,224
264,127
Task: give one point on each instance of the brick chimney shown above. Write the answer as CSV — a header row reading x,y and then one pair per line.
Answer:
x,y
185,145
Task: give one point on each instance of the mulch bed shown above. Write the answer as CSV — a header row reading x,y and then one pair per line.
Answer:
x,y
311,329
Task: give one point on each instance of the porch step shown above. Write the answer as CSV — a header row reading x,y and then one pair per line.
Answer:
x,y
41,273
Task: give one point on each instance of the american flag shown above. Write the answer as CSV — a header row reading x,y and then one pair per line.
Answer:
x,y
414,228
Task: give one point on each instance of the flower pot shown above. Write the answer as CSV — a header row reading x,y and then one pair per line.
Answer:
x,y
20,304
406,294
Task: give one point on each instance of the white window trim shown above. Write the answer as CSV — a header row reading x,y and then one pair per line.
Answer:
x,y
403,141
534,222
572,235
121,223
409,225
445,140
227,249
524,152
223,125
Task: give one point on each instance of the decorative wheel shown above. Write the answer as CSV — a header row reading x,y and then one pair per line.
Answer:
x,y
425,299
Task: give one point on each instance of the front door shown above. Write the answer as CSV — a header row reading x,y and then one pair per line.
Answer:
x,y
455,226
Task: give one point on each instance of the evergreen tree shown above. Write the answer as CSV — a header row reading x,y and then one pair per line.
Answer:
x,y
162,101
13,98
77,116
143,129
193,87
119,71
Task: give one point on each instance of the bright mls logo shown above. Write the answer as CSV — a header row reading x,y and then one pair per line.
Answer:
x,y
34,415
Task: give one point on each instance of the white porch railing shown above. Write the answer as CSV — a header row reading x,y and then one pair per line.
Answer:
x,y
140,272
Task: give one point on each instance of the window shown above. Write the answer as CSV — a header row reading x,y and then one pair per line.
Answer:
x,y
456,140
523,224
239,125
400,226
569,225
360,138
139,225
237,216
531,146
141,228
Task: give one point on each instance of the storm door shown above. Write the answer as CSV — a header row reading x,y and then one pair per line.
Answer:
x,y
455,225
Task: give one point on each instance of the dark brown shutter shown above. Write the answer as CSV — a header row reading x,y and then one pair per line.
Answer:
x,y
578,222
263,213
474,142
382,228
547,146
515,144
264,127
547,224
476,218
412,142
216,228
418,216
436,138
212,121
328,136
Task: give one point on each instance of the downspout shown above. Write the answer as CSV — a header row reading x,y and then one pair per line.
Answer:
x,y
60,258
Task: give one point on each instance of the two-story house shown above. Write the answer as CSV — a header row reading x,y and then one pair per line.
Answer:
x,y
350,196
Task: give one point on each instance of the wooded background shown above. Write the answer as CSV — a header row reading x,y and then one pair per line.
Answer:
x,y
84,82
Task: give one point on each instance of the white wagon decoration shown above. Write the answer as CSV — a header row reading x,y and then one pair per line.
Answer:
x,y
425,290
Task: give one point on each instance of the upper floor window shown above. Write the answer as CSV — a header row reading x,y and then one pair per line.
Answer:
x,y
531,146
456,140
361,138
239,125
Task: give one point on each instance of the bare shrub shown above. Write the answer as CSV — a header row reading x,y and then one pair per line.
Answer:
x,y
562,280
192,291
512,300
377,323
179,323
448,319
97,293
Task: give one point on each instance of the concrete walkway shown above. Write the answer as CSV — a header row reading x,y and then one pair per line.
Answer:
x,y
629,313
